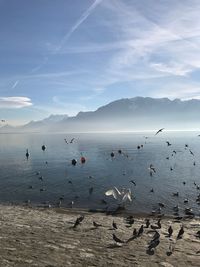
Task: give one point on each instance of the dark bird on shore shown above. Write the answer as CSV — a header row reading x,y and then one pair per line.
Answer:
x,y
69,182
180,233
43,147
186,145
130,221
27,154
167,158
159,131
186,200
184,183
96,224
114,225
162,205
153,244
194,163
3,121
191,152
78,221
138,147
141,230
156,236
170,231
116,239
171,169
66,141
119,151
134,232
152,190
174,151
152,168
147,223
176,194
198,234
168,143
133,182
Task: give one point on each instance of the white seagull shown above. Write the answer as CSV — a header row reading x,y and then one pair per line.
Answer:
x,y
122,195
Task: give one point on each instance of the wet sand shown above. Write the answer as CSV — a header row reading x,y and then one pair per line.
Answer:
x,y
45,237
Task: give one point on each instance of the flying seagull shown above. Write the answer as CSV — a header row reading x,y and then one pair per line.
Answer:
x,y
122,195
159,131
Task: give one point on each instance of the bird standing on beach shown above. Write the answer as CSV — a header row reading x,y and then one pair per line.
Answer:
x,y
78,221
180,233
141,230
170,231
116,239
114,225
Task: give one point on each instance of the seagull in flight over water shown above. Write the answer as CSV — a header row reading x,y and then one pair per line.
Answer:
x,y
159,131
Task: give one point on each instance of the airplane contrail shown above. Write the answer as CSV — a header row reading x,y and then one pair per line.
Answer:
x,y
15,84
82,18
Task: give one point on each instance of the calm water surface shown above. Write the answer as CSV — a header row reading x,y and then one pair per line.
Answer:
x,y
17,174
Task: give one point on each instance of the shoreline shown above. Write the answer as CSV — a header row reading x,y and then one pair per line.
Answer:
x,y
33,236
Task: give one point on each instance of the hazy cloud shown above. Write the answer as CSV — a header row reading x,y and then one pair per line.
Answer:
x,y
14,102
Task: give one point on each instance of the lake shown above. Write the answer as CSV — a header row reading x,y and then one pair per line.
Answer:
x,y
19,181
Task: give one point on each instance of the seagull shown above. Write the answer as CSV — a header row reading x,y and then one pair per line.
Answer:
x,y
72,140
123,195
191,152
159,131
133,182
168,143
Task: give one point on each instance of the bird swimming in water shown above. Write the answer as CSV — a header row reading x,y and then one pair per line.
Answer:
x,y
112,154
159,131
191,152
27,154
74,162
43,147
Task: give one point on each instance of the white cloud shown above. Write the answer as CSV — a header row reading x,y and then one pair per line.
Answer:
x,y
15,102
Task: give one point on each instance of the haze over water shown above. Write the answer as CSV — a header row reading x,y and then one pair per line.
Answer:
x,y
18,174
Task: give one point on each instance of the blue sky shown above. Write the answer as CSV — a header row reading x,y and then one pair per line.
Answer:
x,y
64,56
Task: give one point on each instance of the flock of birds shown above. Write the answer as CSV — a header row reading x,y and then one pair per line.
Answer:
x,y
148,227
124,195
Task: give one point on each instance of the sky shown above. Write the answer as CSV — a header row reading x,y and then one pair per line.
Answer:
x,y
66,56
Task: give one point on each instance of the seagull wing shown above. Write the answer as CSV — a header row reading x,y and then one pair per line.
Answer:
x,y
113,192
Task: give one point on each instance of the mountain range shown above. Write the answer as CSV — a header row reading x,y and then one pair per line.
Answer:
x,y
129,114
